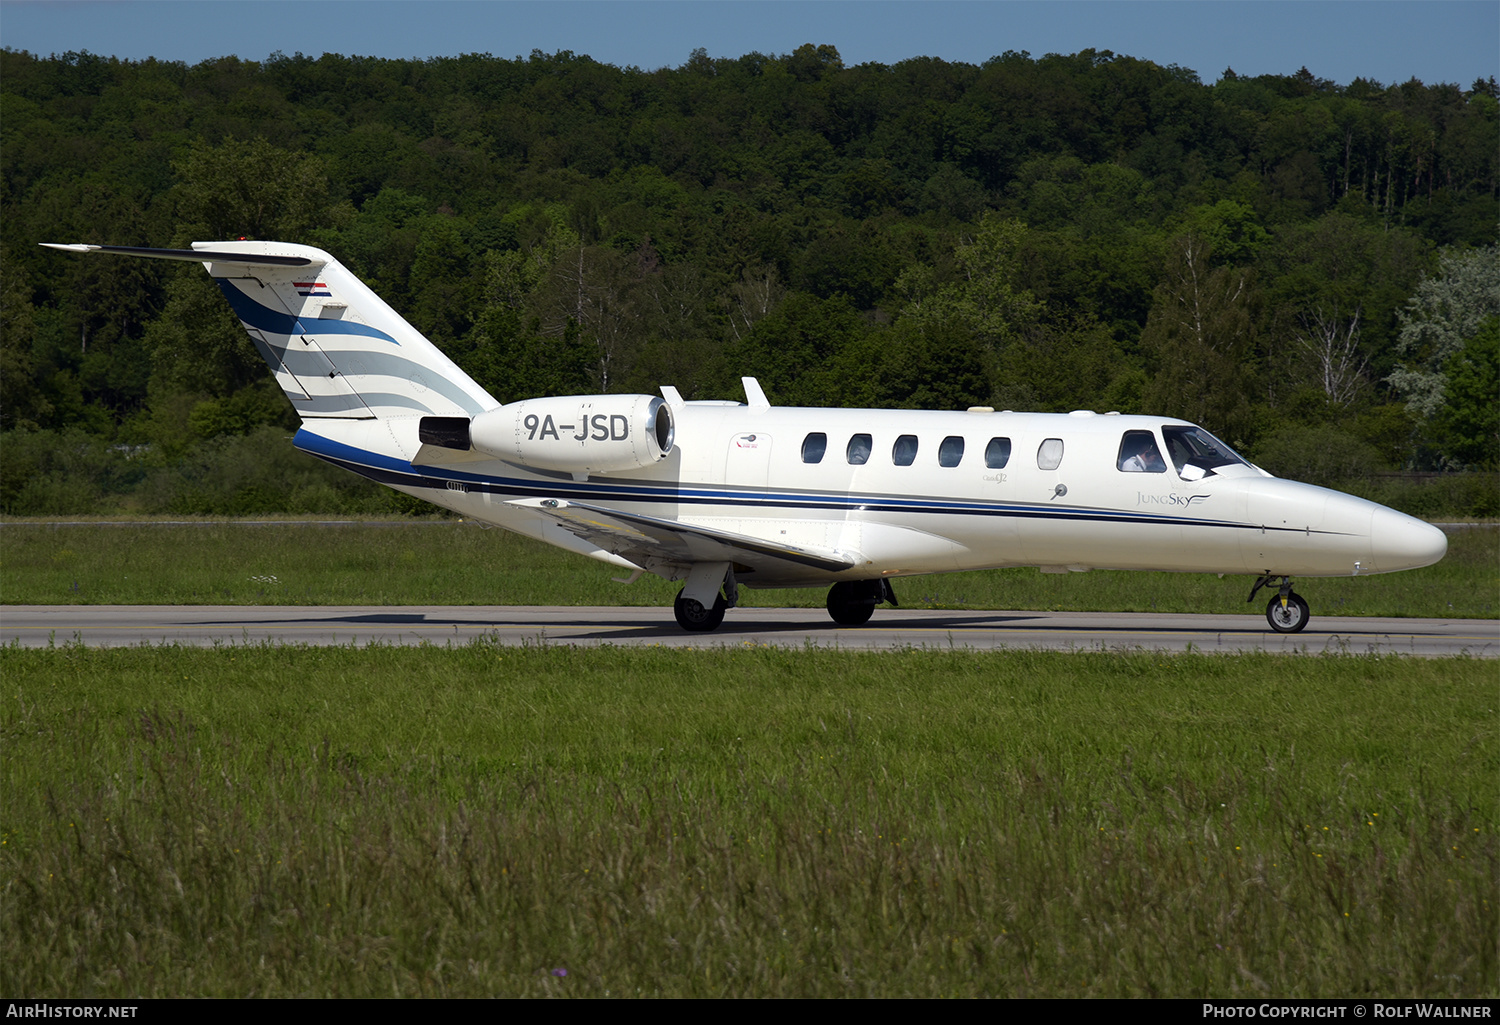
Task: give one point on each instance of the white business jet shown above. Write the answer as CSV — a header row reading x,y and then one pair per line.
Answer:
x,y
721,495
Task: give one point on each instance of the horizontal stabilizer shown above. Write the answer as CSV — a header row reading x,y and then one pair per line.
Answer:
x,y
190,255
644,539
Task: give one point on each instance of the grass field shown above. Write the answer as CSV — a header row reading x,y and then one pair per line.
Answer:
x,y
448,563
478,820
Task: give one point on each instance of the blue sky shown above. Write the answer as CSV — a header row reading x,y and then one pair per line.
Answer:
x,y
1386,40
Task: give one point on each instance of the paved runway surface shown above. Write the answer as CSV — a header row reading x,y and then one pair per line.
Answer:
x,y
120,625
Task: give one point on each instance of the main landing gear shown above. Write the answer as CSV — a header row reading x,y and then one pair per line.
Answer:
x,y
705,579
1287,612
852,602
695,617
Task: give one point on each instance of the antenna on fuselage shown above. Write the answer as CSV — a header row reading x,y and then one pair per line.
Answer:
x,y
755,396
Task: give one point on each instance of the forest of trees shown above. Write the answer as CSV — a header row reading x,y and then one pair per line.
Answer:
x,y
1308,269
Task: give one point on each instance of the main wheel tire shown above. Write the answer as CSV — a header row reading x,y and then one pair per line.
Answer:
x,y
1289,618
692,616
853,614
852,602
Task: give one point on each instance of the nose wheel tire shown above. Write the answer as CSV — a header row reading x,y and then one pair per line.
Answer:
x,y
1289,618
692,616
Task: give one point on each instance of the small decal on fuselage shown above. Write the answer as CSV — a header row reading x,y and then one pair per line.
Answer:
x,y
1141,498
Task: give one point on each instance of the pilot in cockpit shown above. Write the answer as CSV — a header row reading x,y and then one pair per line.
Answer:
x,y
1138,453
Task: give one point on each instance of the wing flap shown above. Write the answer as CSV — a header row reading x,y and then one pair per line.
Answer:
x,y
649,539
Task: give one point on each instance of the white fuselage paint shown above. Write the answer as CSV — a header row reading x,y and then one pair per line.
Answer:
x,y
741,470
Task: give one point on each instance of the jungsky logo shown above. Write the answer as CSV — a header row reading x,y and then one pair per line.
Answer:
x,y
1141,498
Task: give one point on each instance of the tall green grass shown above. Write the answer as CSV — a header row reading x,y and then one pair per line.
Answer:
x,y
446,563
480,820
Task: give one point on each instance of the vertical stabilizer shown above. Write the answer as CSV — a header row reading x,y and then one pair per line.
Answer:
x,y
337,350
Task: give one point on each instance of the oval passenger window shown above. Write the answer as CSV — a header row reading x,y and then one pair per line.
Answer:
x,y
813,447
858,451
904,452
1049,454
951,451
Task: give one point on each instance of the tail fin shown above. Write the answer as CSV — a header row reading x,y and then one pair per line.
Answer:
x,y
337,350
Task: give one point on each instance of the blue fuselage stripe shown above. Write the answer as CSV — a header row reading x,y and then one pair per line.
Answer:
x,y
389,471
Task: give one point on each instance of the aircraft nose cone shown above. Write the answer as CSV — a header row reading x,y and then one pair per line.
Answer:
x,y
1398,541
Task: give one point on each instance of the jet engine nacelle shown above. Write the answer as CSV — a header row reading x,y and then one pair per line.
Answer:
x,y
578,433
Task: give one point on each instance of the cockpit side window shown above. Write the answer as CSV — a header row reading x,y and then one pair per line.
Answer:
x,y
1196,453
1139,454
813,447
858,452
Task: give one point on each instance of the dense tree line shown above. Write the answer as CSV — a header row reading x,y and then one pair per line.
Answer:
x,y
1308,269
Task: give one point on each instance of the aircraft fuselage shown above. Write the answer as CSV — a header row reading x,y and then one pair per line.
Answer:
x,y
744,472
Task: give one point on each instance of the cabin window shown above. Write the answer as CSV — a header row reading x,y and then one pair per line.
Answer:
x,y
1139,454
951,451
1049,454
997,453
858,451
813,447
904,452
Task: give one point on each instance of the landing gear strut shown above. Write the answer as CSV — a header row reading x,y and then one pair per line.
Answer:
x,y
1287,612
852,602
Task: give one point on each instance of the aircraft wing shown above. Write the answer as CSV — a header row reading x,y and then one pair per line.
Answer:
x,y
648,539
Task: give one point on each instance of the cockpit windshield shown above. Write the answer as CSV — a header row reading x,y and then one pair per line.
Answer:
x,y
1196,453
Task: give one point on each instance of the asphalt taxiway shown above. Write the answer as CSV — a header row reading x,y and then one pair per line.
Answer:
x,y
122,625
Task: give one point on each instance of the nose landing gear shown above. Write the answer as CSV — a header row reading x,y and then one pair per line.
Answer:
x,y
1287,615
1287,612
